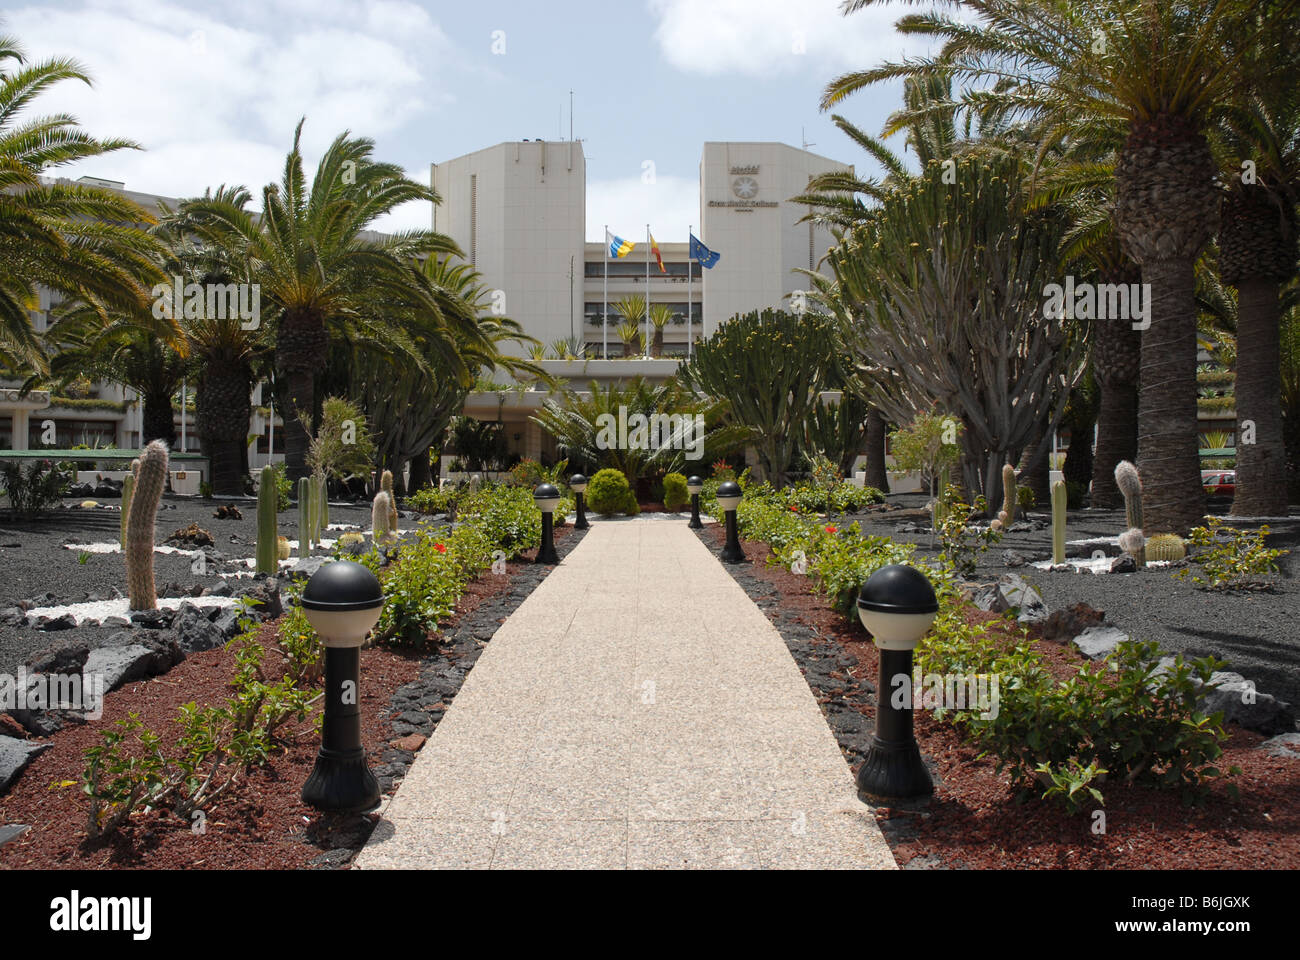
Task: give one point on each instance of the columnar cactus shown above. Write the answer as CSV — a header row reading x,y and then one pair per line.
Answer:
x,y
128,490
379,518
1133,542
1008,494
305,538
149,482
386,482
267,550
323,499
1059,500
1130,485
1167,547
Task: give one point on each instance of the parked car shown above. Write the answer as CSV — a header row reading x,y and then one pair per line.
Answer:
x,y
1219,483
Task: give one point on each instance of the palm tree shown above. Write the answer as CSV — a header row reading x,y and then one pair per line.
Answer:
x,y
1164,70
660,316
631,309
319,272
1259,146
84,243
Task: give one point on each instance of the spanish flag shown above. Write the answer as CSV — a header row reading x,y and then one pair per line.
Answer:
x,y
654,248
618,247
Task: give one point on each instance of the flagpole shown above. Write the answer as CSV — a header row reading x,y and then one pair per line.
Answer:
x,y
604,309
689,228
647,290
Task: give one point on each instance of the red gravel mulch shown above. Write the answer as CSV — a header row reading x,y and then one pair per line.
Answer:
x,y
974,821
260,823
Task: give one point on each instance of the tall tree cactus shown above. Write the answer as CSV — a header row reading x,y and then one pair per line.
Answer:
x,y
128,490
1009,494
306,494
268,550
386,482
150,479
380,529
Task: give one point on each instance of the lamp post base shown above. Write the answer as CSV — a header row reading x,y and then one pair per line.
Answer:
x,y
893,771
581,523
546,552
341,782
695,523
731,553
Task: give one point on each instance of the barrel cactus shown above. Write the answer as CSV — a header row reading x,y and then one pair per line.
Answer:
x,y
1166,547
1133,542
149,482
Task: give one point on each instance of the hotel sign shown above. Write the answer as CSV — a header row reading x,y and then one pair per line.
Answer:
x,y
744,187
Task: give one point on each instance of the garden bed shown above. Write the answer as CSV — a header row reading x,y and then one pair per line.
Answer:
x,y
973,820
262,822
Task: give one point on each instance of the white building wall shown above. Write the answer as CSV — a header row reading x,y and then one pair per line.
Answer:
x,y
518,211
746,216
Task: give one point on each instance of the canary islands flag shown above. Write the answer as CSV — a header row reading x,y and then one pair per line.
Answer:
x,y
703,254
654,248
618,247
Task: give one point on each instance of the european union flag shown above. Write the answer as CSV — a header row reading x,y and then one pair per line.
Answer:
x,y
702,253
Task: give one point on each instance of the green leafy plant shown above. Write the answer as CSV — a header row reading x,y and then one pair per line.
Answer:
x,y
433,500
1230,558
38,488
930,445
961,544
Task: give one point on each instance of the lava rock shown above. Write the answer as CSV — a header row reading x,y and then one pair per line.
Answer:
x,y
191,536
227,622
14,756
228,512
266,591
1286,745
1011,558
1242,704
80,491
12,831
306,567
1064,625
63,658
1011,592
193,632
1124,563
12,617
1096,642
108,489
119,665
64,621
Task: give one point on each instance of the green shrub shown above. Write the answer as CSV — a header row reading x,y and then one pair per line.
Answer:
x,y
1116,719
1026,500
507,516
675,493
433,500
1230,558
608,493
38,488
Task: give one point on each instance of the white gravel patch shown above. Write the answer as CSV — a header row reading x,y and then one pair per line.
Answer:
x,y
343,526
117,548
1096,565
1095,542
95,613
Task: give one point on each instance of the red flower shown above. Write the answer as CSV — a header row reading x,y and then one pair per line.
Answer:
x,y
830,529
794,508
440,548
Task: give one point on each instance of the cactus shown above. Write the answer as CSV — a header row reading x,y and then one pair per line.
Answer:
x,y
1130,484
150,478
1132,542
1168,547
349,542
267,550
1058,521
135,468
379,518
323,498
386,482
1008,494
304,517
282,548
128,490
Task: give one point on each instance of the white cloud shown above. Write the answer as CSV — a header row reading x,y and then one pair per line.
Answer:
x,y
668,204
762,37
213,92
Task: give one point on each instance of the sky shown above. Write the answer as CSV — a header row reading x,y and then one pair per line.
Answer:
x,y
212,91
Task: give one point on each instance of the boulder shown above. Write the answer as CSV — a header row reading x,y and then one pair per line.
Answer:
x,y
1286,745
193,632
64,621
191,536
151,619
14,756
1011,592
1245,706
1011,558
1096,642
107,489
1062,626
118,665
65,658
1124,563
266,591
306,567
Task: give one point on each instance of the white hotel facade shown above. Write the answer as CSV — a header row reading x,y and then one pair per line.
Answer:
x,y
518,210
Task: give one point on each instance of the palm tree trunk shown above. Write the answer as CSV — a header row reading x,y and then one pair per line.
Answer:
x,y
1173,500
657,342
1116,368
877,476
1261,465
222,415
158,416
301,349
301,388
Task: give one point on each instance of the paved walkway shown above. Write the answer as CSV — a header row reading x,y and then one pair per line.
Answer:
x,y
637,710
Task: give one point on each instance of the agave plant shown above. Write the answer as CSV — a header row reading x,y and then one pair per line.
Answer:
x,y
629,331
